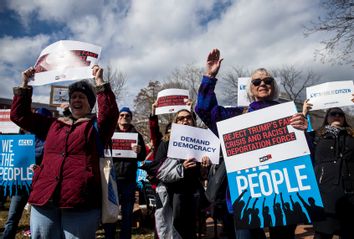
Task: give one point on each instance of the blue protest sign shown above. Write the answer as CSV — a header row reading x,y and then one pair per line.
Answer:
x,y
277,194
17,154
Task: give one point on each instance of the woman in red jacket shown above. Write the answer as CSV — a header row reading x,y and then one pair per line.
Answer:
x,y
65,197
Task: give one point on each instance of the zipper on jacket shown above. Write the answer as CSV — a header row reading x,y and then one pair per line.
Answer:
x,y
321,176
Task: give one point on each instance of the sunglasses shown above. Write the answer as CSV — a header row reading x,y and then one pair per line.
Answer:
x,y
267,81
124,115
181,118
336,113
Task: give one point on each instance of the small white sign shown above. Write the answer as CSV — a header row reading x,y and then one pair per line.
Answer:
x,y
171,101
65,61
330,94
122,144
261,137
6,125
191,142
242,97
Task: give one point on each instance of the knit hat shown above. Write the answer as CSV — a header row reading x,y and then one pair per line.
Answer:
x,y
44,112
126,109
86,88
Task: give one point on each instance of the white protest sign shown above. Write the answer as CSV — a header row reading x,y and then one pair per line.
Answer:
x,y
65,61
192,142
122,145
242,98
261,137
171,101
330,94
6,125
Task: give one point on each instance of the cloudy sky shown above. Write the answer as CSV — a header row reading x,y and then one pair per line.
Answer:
x,y
147,39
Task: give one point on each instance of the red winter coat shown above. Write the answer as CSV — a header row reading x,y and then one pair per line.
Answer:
x,y
69,174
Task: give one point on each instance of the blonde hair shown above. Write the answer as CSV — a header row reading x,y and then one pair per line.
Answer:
x,y
275,93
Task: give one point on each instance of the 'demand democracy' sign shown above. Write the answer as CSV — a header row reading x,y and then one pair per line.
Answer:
x,y
192,142
269,170
65,61
17,155
330,94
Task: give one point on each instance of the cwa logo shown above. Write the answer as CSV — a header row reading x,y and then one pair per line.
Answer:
x,y
25,142
265,158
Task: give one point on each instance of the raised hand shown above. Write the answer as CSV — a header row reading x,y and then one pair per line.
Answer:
x,y
27,75
97,73
213,63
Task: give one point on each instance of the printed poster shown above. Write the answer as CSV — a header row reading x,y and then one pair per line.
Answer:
x,y
269,169
191,142
65,61
242,98
171,101
6,125
122,144
330,94
17,155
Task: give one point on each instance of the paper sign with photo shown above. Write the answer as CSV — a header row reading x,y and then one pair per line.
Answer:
x,y
171,101
65,61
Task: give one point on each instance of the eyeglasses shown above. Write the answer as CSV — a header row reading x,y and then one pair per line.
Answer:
x,y
124,115
267,81
181,118
336,113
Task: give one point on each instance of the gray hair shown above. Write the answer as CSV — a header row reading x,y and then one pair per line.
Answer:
x,y
250,95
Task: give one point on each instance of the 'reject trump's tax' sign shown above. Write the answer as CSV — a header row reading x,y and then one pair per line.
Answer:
x,y
268,164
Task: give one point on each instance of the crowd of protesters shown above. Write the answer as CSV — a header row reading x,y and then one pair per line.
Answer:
x,y
65,196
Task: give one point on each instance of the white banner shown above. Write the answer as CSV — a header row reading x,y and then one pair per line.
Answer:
x,y
192,142
122,144
330,94
171,101
65,61
6,125
261,137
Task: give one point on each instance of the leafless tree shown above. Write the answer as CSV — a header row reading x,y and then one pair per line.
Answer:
x,y
117,79
294,81
229,84
338,21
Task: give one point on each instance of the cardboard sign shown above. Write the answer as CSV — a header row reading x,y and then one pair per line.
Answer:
x,y
6,125
65,61
191,142
261,137
171,101
122,144
17,155
330,94
59,95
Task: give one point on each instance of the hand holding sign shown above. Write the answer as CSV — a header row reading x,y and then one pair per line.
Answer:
x,y
27,75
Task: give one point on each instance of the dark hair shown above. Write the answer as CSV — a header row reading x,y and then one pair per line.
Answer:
x,y
86,88
325,121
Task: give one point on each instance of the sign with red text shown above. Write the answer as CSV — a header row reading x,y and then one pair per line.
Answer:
x,y
261,137
122,145
171,101
191,142
65,61
6,125
330,94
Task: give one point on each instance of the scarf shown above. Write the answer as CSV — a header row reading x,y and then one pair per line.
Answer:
x,y
257,105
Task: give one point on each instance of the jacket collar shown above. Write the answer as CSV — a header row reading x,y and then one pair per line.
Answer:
x,y
71,121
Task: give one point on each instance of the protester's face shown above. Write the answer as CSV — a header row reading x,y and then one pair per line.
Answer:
x,y
184,117
336,118
79,105
262,86
124,119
